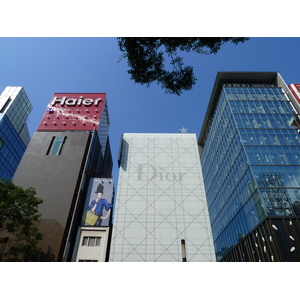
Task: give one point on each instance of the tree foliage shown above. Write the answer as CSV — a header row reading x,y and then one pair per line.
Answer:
x,y
146,59
18,217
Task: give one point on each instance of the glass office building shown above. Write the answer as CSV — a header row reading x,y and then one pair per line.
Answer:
x,y
161,211
250,156
15,108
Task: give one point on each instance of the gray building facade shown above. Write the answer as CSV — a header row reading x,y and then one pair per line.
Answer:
x,y
59,181
59,163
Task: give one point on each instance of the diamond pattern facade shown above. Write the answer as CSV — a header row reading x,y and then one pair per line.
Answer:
x,y
160,201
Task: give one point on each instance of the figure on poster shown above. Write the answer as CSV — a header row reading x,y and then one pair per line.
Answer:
x,y
97,206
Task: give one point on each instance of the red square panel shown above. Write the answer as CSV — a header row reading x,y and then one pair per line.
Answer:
x,y
73,112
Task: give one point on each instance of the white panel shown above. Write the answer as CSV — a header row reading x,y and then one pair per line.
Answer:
x,y
92,253
160,200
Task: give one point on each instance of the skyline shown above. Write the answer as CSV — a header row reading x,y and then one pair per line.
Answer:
x,y
44,66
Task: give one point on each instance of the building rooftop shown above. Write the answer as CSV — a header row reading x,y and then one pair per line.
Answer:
x,y
273,78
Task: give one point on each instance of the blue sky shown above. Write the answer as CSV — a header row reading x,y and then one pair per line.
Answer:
x,y
44,66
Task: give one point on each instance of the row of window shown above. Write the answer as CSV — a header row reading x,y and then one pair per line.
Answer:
x,y
260,107
265,121
91,241
289,174
267,155
269,137
254,93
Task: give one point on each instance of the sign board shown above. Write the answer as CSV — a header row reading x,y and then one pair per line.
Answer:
x,y
73,112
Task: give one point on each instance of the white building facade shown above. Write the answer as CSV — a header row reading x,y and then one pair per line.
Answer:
x,y
161,201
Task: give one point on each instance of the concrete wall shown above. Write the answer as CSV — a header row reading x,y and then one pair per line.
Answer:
x,y
56,179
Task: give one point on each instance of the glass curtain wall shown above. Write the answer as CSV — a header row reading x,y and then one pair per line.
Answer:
x,y
251,162
12,149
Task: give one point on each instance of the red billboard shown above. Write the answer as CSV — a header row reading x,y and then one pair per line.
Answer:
x,y
73,112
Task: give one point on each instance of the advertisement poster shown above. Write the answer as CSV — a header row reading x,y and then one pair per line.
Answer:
x,y
98,204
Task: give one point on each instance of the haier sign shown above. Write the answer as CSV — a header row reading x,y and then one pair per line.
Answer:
x,y
75,101
73,112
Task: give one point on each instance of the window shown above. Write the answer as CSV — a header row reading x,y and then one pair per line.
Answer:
x,y
91,241
87,260
56,145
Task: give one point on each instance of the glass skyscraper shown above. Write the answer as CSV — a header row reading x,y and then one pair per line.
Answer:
x,y
15,108
250,156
